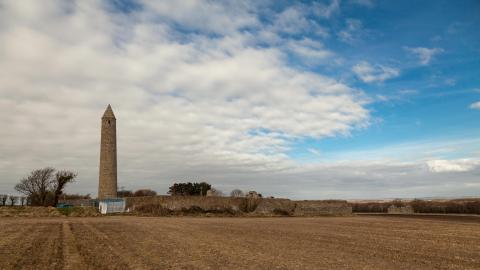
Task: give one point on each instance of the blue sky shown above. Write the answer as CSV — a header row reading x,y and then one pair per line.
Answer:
x,y
425,101
298,99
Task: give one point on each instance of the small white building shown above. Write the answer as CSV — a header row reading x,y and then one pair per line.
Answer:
x,y
107,206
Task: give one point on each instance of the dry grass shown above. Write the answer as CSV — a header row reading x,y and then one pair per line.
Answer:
x,y
240,243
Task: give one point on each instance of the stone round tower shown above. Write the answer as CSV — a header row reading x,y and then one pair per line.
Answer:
x,y
107,184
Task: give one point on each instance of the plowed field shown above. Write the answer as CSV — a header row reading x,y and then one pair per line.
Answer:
x,y
362,242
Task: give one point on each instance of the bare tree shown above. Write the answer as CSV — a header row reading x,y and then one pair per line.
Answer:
x,y
214,192
23,200
3,199
61,179
36,185
43,186
236,193
13,200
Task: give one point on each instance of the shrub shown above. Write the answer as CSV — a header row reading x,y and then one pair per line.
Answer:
x,y
153,209
249,205
281,212
460,206
371,207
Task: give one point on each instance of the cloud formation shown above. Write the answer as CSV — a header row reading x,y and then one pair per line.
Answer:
x,y
379,73
352,31
202,90
367,3
326,11
460,165
191,95
475,106
424,55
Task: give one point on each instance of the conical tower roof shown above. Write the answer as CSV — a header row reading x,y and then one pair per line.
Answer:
x,y
108,113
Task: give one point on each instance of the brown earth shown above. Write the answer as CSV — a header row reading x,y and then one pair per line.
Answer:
x,y
358,242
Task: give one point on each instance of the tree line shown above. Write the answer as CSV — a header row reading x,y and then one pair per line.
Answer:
x,y
138,193
459,206
12,200
45,187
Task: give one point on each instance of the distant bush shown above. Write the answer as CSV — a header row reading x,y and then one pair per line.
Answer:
x,y
447,207
236,193
249,205
144,193
193,210
75,197
280,212
159,210
79,211
189,189
371,207
153,209
124,193
461,206
334,201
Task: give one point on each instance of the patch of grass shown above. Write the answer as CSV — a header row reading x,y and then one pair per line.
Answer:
x,y
79,211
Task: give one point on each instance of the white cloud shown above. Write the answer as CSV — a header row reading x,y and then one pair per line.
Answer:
x,y
295,20
379,73
314,151
309,51
424,55
459,165
450,82
475,106
194,100
352,31
402,95
193,94
407,92
367,3
455,27
215,17
326,11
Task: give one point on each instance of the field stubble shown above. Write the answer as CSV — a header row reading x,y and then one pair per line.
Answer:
x,y
362,242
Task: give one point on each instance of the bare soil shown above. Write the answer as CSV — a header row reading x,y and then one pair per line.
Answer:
x,y
357,242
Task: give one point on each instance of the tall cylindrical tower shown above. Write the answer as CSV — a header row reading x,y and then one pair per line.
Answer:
x,y
107,184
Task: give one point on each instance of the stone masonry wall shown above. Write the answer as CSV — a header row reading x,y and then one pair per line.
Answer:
x,y
177,203
320,208
261,206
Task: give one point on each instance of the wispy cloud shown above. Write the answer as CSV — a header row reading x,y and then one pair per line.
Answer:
x,y
424,55
309,51
475,106
459,165
367,3
455,27
378,73
407,92
352,31
326,11
314,151
402,95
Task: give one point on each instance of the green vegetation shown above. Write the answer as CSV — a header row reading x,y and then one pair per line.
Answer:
x,y
459,206
189,189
